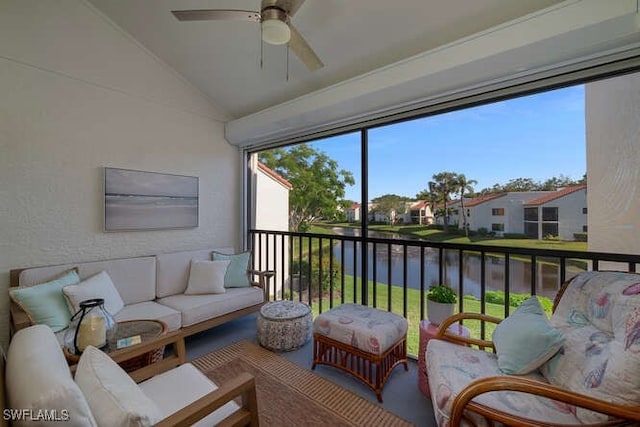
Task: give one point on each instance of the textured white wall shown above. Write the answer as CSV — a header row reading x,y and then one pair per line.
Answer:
x,y
613,159
77,95
272,213
570,216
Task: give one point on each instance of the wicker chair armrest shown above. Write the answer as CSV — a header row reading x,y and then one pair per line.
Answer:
x,y
263,277
483,344
525,385
243,385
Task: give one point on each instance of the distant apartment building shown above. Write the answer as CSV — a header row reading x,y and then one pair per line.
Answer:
x,y
353,212
420,212
534,213
500,213
562,213
454,215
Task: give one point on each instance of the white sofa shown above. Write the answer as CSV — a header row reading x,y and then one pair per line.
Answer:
x,y
152,287
39,386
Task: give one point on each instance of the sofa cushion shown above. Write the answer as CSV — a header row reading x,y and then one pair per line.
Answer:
x,y
173,270
38,377
134,278
114,398
237,275
451,367
192,385
153,311
525,340
44,303
197,308
599,315
96,286
206,277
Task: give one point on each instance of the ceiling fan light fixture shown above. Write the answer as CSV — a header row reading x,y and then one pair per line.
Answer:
x,y
275,29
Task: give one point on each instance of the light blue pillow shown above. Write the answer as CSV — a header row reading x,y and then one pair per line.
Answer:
x,y
45,303
525,340
236,275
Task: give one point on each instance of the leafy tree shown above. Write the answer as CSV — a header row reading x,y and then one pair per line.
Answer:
x,y
440,190
389,205
528,184
318,183
555,183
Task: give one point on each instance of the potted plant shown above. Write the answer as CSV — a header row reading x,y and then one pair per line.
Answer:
x,y
441,301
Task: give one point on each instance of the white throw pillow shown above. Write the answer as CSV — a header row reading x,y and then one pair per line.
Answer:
x,y
97,286
206,277
114,398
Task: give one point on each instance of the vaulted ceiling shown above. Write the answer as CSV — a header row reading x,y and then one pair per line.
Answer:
x,y
352,38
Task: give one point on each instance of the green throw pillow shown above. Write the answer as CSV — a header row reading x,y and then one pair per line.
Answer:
x,y
236,275
45,303
525,340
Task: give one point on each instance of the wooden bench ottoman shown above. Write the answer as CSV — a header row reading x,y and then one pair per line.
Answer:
x,y
363,341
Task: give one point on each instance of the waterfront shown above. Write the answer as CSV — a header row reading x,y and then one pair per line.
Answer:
x,y
547,270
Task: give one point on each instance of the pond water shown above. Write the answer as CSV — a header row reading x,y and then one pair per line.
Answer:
x,y
547,274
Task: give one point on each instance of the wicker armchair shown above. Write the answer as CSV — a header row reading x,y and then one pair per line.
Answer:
x,y
593,380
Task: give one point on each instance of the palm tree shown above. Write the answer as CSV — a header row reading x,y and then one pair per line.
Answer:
x,y
464,185
443,184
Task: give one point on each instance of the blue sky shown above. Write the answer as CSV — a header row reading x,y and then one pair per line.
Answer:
x,y
537,136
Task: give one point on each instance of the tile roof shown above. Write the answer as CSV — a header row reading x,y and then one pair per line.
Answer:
x,y
478,200
275,175
419,204
555,195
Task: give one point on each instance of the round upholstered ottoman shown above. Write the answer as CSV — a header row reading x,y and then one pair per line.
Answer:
x,y
284,325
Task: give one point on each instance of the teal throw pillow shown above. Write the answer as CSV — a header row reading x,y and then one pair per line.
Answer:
x,y
45,303
236,275
525,340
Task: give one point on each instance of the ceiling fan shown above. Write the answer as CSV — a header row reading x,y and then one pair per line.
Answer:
x,y
275,19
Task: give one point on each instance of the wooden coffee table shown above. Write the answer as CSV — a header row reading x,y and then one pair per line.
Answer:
x,y
148,330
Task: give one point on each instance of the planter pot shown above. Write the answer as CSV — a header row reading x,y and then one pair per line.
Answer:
x,y
437,311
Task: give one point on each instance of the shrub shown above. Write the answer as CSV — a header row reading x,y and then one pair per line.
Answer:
x,y
288,295
515,236
497,297
580,237
551,237
457,231
302,268
483,231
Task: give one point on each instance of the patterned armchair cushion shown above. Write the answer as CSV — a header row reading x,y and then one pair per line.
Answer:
x,y
452,367
599,314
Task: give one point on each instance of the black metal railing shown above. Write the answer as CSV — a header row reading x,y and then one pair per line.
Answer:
x,y
325,270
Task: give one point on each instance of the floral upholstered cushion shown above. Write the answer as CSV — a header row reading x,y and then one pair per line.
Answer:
x,y
599,314
452,367
365,328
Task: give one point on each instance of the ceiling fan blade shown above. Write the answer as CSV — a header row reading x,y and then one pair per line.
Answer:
x,y
303,51
216,14
289,6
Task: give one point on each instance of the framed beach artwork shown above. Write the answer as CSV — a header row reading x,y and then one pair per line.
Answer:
x,y
137,200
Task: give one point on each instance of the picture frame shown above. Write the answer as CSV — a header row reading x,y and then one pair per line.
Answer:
x,y
139,200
